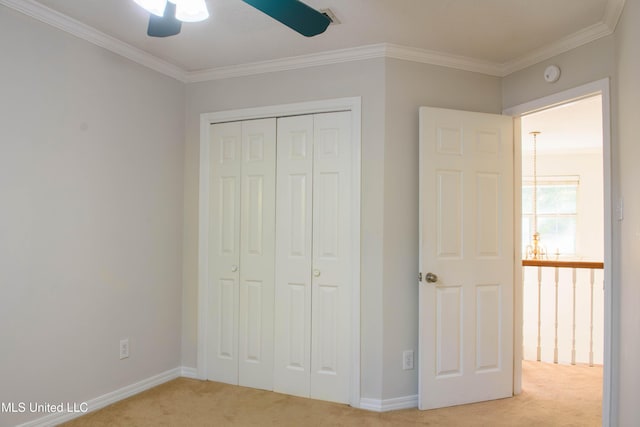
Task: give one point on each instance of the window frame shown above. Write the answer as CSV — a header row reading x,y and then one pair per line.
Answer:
x,y
527,217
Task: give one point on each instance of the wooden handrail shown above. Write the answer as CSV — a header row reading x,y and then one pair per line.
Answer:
x,y
563,264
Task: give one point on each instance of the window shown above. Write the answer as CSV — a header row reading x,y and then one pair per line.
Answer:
x,y
557,213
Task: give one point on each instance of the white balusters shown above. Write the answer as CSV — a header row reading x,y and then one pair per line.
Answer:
x,y
555,324
539,348
573,326
591,281
576,296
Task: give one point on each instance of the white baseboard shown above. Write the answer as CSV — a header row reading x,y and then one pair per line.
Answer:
x,y
189,373
378,405
109,398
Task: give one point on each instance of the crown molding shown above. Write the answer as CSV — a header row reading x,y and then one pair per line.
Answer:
x,y
381,50
612,13
442,59
563,45
290,63
65,23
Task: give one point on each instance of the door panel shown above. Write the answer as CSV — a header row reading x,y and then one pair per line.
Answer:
x,y
331,302
488,321
488,187
313,290
466,239
241,269
226,310
257,254
293,256
449,331
224,240
449,227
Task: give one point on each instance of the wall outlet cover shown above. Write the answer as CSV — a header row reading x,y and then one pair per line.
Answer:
x,y
124,348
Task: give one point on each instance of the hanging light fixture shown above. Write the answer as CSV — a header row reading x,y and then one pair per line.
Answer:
x,y
153,6
186,10
191,10
535,250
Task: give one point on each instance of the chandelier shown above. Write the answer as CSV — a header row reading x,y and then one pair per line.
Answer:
x,y
535,250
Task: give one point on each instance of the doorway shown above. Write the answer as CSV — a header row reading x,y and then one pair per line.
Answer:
x,y
562,166
596,93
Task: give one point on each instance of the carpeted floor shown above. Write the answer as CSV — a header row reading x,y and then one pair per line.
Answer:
x,y
553,395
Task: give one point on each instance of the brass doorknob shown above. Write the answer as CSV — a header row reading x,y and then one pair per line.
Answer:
x,y
431,278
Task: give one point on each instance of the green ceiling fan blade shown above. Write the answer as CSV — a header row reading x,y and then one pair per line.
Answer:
x,y
294,14
164,26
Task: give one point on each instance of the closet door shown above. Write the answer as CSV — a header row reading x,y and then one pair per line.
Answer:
x,y
292,366
257,253
241,247
313,247
224,251
331,278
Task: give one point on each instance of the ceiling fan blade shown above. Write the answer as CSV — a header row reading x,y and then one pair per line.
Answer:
x,y
164,26
294,14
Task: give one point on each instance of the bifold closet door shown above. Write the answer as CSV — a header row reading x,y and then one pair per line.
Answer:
x,y
241,248
313,248
293,256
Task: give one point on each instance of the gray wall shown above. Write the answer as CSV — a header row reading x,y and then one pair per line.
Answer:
x,y
410,85
365,79
99,185
91,158
616,57
391,92
628,232
579,66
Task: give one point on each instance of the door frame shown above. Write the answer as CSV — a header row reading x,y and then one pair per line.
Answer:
x,y
611,341
353,105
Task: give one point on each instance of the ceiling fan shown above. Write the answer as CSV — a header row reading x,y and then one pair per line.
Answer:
x,y
167,16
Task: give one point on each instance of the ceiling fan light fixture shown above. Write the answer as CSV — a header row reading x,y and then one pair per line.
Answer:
x,y
191,10
155,7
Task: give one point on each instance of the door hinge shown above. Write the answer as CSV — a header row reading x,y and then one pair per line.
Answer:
x,y
419,277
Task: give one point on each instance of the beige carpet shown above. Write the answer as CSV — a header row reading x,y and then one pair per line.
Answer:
x,y
553,395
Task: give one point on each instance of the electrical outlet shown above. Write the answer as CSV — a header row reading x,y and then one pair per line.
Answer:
x,y
620,209
407,360
124,348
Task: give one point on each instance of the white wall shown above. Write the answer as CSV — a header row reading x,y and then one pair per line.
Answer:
x,y
91,169
628,231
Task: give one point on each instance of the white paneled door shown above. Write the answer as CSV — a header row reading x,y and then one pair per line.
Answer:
x,y
225,153
280,267
257,254
292,369
241,249
466,257
313,263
